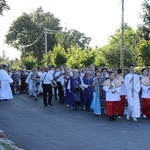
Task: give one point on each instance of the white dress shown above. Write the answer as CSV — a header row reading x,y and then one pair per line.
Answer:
x,y
30,83
5,90
133,98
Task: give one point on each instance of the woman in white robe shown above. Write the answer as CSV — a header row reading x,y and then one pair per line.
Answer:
x,y
5,89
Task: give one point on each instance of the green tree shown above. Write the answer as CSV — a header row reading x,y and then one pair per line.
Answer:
x,y
56,57
80,58
145,16
75,58
28,31
30,62
3,6
100,57
70,38
143,49
59,55
111,51
49,59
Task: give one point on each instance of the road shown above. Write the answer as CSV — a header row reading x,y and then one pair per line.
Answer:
x,y
35,127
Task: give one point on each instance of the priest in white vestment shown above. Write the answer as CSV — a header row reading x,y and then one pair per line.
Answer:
x,y
5,89
132,84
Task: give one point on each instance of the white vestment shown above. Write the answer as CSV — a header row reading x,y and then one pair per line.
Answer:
x,y
5,90
30,83
133,97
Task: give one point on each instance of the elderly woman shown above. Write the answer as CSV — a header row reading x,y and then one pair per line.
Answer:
x,y
15,85
73,89
87,83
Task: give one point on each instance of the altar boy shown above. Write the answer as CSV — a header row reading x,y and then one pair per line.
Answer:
x,y
112,88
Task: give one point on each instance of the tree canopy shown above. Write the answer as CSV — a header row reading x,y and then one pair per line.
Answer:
x,y
69,38
27,28
3,6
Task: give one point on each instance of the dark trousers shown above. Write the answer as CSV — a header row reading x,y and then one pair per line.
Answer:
x,y
47,89
55,92
60,92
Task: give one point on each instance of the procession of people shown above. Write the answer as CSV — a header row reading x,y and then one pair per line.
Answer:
x,y
102,91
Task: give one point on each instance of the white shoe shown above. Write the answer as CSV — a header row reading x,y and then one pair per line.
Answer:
x,y
68,105
128,117
134,119
144,116
119,117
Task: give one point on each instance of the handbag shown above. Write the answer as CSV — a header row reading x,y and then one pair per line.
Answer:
x,y
43,80
54,84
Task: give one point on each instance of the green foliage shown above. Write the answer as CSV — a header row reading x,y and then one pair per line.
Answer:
x,y
143,50
59,55
56,57
49,59
138,69
3,6
15,64
75,59
80,58
30,62
145,16
70,38
111,52
28,27
7,146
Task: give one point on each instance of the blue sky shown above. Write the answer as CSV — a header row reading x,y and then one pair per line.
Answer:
x,y
98,19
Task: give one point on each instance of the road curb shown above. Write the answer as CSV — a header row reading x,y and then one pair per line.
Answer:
x,y
4,141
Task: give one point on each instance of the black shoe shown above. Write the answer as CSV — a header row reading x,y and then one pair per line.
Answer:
x,y
113,118
110,119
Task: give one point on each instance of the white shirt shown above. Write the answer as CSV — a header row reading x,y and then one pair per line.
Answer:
x,y
61,78
51,71
145,91
112,96
46,78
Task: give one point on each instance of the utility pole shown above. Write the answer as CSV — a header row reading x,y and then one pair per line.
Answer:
x,y
45,30
122,38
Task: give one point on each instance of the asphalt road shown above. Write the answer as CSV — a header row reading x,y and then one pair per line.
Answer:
x,y
34,127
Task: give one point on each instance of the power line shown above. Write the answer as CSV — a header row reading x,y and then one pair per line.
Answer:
x,y
38,38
